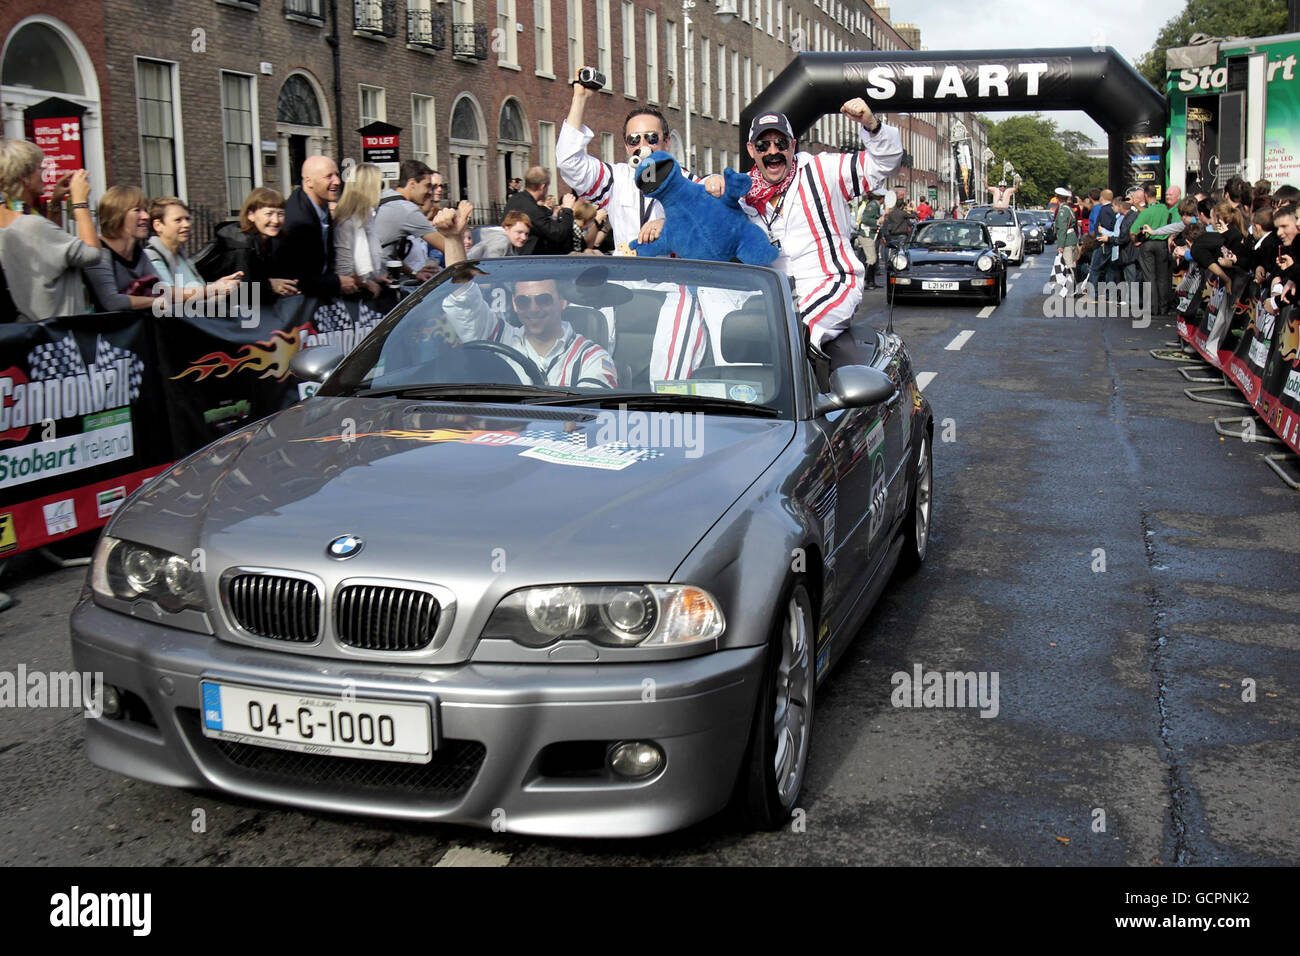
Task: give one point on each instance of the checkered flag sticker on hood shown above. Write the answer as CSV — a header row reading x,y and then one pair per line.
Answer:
x,y
62,358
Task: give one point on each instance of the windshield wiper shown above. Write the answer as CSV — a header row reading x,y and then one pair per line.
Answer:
x,y
486,391
703,403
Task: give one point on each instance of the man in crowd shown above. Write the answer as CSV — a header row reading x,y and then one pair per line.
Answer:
x,y
306,252
401,228
802,203
1067,232
1153,249
923,210
552,231
866,214
1102,223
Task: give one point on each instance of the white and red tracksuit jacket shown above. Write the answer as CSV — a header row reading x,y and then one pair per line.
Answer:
x,y
814,227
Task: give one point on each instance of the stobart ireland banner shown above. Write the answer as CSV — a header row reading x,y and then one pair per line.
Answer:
x,y
79,401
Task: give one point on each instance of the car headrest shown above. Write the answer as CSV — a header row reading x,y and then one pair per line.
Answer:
x,y
747,337
588,323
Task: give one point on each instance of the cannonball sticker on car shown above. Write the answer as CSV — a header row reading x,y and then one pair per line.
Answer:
x,y
8,533
323,724
879,487
742,392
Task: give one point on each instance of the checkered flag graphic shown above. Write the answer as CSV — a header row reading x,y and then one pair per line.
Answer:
x,y
106,353
332,317
55,359
1062,276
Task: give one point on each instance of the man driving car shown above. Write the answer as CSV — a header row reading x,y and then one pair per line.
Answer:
x,y
564,357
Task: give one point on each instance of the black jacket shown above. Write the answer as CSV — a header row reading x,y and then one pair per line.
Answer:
x,y
549,235
235,251
1128,250
301,254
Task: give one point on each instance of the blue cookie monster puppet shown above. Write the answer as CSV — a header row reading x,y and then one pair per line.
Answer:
x,y
696,224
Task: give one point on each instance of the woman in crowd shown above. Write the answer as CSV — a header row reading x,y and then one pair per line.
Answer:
x,y
42,264
355,251
248,246
509,241
181,281
123,277
590,227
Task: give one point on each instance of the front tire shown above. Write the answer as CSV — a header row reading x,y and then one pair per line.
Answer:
x,y
776,758
916,534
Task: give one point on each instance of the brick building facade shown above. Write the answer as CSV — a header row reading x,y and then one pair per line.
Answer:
x,y
208,98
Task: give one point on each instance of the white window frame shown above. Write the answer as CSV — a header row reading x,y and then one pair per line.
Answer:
x,y
428,156
604,56
651,57
254,148
629,47
671,64
735,87
507,17
178,137
706,82
544,65
382,115
722,83
780,21
545,146
607,147
575,20
708,161
768,20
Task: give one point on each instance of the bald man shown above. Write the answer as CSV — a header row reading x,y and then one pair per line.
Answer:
x,y
306,247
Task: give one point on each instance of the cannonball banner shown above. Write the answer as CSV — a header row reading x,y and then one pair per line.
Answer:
x,y
93,406
79,407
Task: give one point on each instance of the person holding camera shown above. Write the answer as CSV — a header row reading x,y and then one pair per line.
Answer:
x,y
613,186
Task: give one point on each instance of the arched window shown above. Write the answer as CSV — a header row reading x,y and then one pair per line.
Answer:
x,y
464,121
512,127
38,57
298,103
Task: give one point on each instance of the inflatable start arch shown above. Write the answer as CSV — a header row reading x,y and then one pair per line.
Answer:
x,y
1100,82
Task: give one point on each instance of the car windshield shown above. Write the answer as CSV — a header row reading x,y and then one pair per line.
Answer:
x,y
585,331
951,234
999,217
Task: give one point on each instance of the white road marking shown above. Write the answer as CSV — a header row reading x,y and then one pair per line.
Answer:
x,y
924,378
1010,286
465,856
961,339
985,312
1015,275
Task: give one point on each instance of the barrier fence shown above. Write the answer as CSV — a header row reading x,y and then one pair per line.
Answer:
x,y
1264,362
93,406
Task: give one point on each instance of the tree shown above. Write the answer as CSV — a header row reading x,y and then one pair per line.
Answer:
x,y
1216,18
1044,156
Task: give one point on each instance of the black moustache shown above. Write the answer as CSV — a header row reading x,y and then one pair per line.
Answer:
x,y
773,160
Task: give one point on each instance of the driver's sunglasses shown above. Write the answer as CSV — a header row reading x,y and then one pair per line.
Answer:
x,y
781,143
634,139
543,300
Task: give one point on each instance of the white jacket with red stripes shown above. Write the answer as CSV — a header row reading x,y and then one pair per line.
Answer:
x,y
814,226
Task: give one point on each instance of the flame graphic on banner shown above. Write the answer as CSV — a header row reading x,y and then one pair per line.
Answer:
x,y
427,435
271,357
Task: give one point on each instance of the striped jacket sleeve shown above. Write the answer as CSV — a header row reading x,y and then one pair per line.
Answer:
x,y
590,178
859,173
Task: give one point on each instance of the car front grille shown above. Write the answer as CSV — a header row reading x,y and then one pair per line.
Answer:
x,y
381,618
277,607
453,768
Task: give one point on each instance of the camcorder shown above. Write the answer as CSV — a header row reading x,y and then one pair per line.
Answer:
x,y
591,78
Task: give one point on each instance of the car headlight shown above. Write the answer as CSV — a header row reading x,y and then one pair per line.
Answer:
x,y
612,615
984,263
1033,232
129,572
898,263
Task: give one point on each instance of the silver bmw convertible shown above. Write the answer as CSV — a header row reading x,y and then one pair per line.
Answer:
x,y
565,546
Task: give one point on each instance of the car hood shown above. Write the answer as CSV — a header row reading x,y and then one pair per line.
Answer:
x,y
918,256
435,489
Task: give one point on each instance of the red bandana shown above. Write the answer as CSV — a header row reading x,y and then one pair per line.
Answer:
x,y
762,192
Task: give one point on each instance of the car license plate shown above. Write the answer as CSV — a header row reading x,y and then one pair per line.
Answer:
x,y
934,285
371,729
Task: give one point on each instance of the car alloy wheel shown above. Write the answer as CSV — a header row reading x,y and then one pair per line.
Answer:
x,y
792,716
776,757
916,534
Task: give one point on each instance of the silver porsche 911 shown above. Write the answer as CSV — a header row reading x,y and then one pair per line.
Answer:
x,y
516,563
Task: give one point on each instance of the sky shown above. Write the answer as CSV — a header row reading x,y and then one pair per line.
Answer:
x,y
1129,27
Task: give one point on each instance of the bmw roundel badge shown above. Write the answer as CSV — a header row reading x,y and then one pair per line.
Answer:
x,y
345,546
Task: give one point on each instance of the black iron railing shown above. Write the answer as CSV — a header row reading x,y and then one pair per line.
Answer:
x,y
427,29
376,17
308,9
470,40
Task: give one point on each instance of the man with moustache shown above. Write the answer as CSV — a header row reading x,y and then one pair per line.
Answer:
x,y
802,203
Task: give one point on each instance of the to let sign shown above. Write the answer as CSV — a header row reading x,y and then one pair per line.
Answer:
x,y
381,145
59,138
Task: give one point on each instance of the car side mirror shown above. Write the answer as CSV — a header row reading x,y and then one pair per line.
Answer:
x,y
1001,244
315,364
856,386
